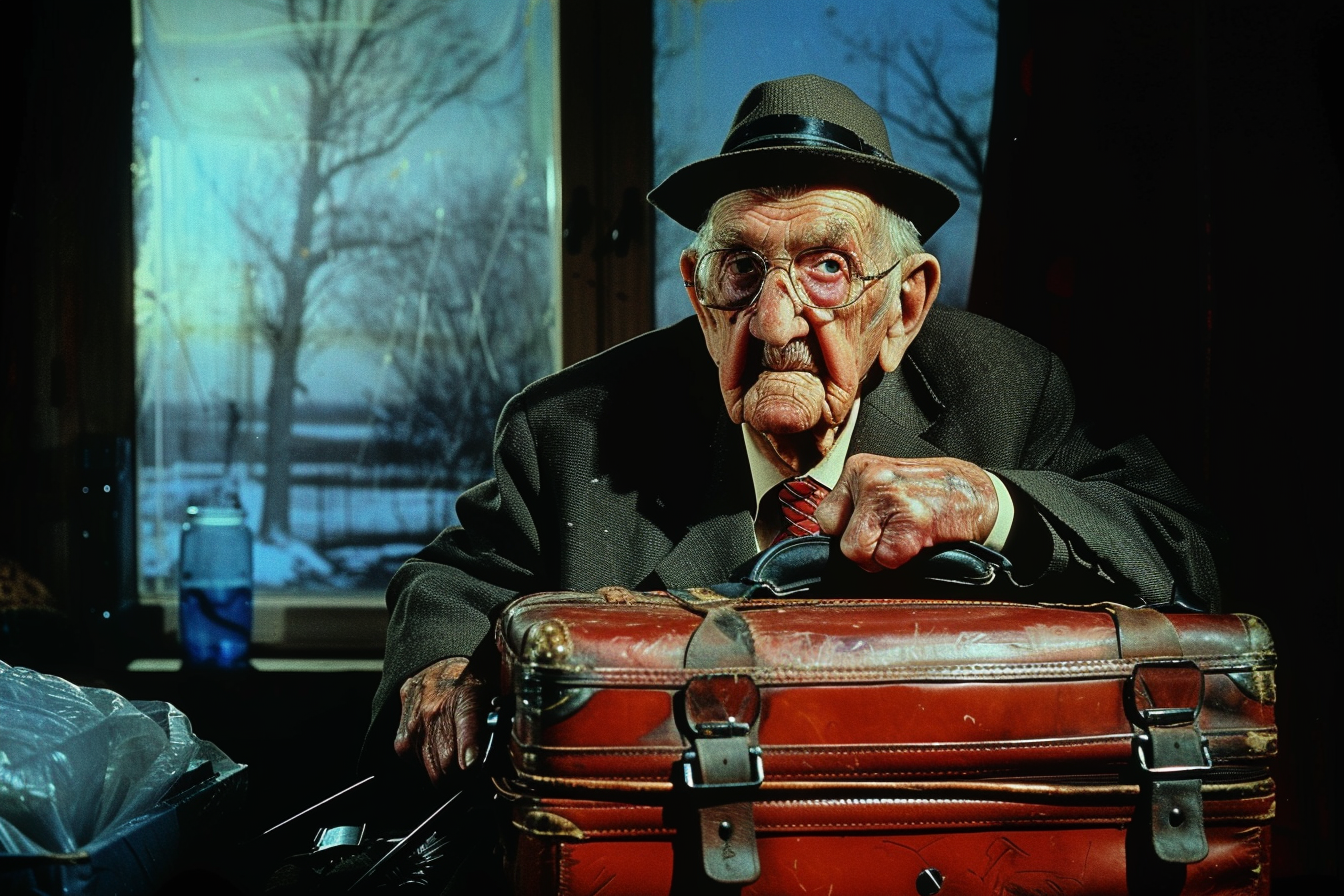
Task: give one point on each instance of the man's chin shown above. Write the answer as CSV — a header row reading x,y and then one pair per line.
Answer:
x,y
784,404
779,422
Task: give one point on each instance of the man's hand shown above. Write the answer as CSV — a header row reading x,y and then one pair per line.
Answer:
x,y
886,510
443,710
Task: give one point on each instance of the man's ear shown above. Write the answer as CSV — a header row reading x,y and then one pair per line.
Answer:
x,y
919,289
688,260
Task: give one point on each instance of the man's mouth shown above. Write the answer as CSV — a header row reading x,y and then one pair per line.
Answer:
x,y
795,355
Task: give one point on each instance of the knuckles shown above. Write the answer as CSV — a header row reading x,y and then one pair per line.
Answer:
x,y
892,508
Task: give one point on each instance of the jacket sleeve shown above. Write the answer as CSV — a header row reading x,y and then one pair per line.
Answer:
x,y
1119,523
442,601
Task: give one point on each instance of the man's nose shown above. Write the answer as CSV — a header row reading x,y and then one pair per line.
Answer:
x,y
778,319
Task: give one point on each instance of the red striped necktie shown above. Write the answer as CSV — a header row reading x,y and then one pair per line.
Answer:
x,y
798,499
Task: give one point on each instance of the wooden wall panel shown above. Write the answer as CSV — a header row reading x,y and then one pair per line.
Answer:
x,y
606,126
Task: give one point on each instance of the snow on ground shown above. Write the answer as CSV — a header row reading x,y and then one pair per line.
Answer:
x,y
319,514
286,562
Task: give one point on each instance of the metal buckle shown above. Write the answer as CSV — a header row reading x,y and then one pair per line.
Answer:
x,y
722,729
1169,742
1164,702
1170,715
343,835
688,772
1143,746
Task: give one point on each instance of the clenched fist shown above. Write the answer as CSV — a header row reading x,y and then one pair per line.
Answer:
x,y
886,510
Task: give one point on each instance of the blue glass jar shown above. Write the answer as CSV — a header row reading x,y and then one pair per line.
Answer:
x,y
215,589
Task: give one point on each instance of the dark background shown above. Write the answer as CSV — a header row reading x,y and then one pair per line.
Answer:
x,y
1163,209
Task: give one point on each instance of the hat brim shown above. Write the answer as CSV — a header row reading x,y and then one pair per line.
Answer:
x,y
688,193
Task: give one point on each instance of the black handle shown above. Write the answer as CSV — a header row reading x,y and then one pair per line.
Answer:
x,y
800,565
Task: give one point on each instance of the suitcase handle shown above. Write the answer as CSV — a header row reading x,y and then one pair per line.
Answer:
x,y
798,565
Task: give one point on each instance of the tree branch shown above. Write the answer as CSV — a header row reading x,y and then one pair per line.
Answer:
x,y
930,115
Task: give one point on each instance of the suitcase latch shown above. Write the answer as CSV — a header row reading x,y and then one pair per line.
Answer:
x,y
719,711
1172,754
1167,751
718,755
1164,702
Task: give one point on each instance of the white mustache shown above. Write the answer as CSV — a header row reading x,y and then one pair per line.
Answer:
x,y
795,355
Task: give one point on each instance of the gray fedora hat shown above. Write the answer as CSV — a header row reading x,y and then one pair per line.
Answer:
x,y
805,131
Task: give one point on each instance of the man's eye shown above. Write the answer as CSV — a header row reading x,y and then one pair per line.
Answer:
x,y
822,263
741,265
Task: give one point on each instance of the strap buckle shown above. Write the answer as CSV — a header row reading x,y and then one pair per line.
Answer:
x,y
1164,699
717,712
694,761
720,710
1168,743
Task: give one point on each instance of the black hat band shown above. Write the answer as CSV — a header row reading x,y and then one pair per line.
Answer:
x,y
798,130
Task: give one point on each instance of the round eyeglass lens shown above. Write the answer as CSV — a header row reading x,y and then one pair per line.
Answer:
x,y
732,277
825,277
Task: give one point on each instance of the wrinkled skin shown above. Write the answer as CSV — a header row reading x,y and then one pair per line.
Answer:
x,y
443,710
789,371
792,372
886,510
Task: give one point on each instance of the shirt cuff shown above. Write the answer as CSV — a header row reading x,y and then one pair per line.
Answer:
x,y
998,536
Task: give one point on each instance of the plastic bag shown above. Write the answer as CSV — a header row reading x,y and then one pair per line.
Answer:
x,y
77,762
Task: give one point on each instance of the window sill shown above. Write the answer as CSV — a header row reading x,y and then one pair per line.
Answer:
x,y
268,664
313,625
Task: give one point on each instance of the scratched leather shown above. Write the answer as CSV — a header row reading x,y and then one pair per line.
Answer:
x,y
843,849
990,742
854,636
865,691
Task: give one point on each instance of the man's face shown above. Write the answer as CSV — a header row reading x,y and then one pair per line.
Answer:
x,y
785,368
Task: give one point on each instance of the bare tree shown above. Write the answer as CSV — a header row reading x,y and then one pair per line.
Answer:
x,y
371,73
923,106
472,325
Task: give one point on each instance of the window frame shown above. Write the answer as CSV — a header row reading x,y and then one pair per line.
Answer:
x,y
604,142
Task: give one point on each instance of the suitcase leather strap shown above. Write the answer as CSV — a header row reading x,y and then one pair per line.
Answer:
x,y
719,711
1164,698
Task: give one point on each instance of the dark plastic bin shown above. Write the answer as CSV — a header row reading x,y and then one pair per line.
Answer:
x,y
192,827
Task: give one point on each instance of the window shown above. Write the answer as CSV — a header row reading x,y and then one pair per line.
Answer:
x,y
345,265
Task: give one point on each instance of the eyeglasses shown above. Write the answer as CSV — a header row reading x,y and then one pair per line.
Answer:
x,y
825,278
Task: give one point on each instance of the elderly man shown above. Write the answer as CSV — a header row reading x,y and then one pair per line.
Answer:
x,y
890,423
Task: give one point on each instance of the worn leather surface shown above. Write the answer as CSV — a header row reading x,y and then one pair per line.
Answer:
x,y
1091,860
993,742
869,690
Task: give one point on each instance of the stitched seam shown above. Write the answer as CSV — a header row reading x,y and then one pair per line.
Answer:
x,y
843,749
821,676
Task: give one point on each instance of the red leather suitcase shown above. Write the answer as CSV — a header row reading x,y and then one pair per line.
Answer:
x,y
693,742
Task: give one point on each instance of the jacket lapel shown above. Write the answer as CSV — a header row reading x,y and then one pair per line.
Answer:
x,y
718,520
895,415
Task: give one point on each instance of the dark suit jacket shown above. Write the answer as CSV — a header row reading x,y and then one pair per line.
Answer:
x,y
624,469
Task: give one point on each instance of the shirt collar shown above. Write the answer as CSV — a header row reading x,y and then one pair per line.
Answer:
x,y
766,473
